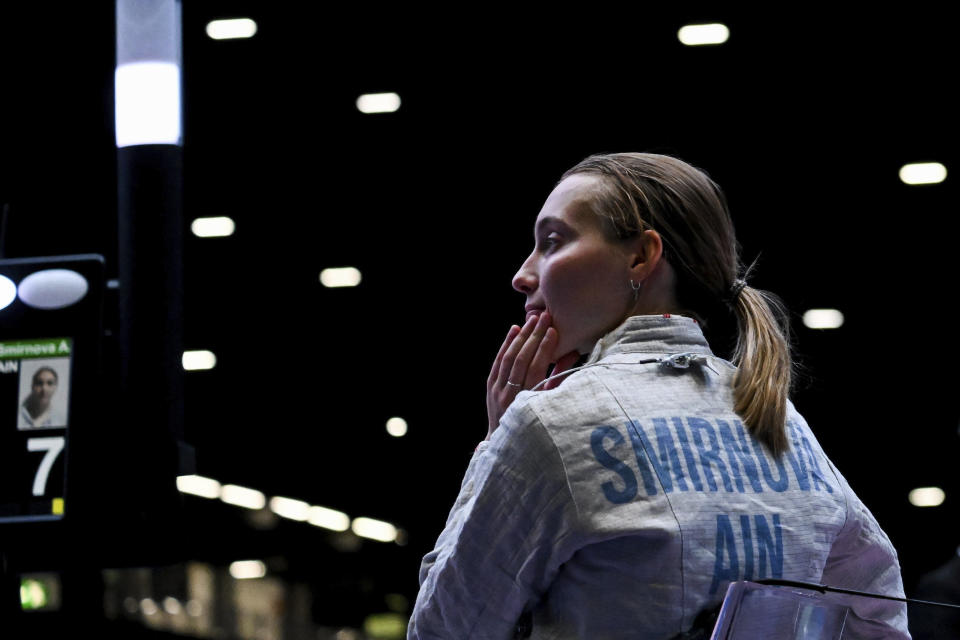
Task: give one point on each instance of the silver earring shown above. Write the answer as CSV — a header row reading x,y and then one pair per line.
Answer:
x,y
636,289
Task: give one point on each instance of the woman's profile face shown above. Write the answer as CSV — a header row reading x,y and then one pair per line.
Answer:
x,y
574,271
44,386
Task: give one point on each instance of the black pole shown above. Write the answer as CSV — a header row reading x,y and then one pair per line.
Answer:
x,y
150,233
149,423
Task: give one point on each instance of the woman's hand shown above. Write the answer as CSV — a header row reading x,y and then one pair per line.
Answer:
x,y
523,362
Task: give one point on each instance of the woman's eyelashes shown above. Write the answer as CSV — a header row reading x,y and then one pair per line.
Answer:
x,y
549,242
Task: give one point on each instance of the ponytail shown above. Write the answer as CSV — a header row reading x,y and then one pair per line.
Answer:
x,y
764,366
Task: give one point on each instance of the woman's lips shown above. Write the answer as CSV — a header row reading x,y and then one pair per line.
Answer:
x,y
533,312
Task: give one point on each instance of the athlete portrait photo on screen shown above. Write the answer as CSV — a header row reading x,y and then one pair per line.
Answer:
x,y
44,390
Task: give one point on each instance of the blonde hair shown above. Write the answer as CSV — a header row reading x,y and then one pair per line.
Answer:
x,y
641,191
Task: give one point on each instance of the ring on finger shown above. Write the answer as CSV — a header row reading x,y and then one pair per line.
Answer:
x,y
514,384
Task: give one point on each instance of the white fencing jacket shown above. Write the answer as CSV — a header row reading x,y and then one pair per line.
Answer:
x,y
622,504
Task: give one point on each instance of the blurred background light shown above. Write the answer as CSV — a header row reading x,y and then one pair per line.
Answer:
x,y
149,607
378,102
397,427
328,518
242,497
385,626
694,35
374,529
199,486
927,497
231,29
290,508
172,606
199,360
147,100
822,319
215,227
53,288
923,173
147,96
340,277
33,594
8,291
396,602
248,569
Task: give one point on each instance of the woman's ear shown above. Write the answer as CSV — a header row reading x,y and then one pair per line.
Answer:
x,y
646,250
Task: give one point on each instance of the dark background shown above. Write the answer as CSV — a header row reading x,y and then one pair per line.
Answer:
x,y
804,117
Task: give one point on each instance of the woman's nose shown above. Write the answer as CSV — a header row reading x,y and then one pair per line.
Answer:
x,y
525,280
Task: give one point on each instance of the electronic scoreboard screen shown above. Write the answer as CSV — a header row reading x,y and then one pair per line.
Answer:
x,y
51,314
34,422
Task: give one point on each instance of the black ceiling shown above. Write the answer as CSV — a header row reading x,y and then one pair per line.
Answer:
x,y
803,116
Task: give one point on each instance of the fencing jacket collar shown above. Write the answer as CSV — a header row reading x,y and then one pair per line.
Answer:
x,y
665,333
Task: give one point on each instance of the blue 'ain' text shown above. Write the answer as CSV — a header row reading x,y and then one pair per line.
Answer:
x,y
760,553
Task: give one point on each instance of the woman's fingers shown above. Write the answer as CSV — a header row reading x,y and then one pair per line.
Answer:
x,y
499,393
537,370
495,369
513,350
522,362
523,368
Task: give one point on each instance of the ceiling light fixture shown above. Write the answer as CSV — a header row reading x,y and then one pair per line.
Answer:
x,y
231,29
694,35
